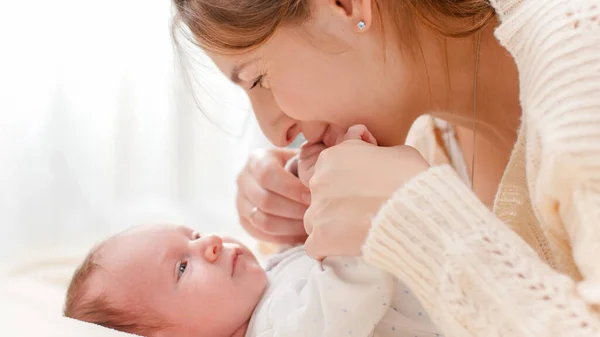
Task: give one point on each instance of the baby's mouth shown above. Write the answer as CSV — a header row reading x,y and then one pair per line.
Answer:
x,y
236,254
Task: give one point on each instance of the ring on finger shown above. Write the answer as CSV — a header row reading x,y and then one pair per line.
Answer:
x,y
253,212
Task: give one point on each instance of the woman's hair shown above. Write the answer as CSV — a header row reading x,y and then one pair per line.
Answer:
x,y
101,309
231,26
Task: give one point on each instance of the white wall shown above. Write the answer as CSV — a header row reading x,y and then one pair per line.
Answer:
x,y
97,131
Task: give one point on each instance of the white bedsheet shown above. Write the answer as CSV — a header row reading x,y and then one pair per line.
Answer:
x,y
32,293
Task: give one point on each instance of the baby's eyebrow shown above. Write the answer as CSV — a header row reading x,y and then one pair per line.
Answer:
x,y
185,231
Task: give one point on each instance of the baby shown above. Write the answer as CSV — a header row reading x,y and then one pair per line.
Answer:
x,y
171,281
167,281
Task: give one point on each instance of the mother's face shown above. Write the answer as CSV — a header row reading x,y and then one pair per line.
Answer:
x,y
326,75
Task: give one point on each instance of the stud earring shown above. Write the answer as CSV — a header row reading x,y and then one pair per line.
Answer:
x,y
361,25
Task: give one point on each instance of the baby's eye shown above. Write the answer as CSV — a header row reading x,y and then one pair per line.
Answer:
x,y
181,269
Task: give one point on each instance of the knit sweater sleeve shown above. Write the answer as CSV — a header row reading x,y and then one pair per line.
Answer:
x,y
475,275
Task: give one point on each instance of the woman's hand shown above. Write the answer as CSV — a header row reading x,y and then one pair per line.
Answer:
x,y
351,182
309,153
271,201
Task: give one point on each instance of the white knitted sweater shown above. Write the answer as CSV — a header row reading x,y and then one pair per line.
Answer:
x,y
532,267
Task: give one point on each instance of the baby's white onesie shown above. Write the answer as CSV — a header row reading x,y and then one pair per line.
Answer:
x,y
344,298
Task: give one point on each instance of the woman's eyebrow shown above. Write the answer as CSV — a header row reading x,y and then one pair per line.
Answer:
x,y
235,72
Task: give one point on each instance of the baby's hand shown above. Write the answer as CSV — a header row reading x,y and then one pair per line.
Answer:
x,y
307,160
357,132
309,153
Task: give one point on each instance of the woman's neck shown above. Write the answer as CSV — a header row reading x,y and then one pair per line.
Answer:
x,y
497,111
451,66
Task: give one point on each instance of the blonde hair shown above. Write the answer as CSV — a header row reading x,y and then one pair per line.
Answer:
x,y
231,26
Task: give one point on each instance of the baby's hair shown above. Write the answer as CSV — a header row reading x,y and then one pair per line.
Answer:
x,y
101,309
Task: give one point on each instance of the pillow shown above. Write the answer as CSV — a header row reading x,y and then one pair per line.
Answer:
x,y
32,297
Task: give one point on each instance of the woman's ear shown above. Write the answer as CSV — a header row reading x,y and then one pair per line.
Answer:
x,y
363,14
359,12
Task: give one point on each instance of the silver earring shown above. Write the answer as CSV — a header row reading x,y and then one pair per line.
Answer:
x,y
361,25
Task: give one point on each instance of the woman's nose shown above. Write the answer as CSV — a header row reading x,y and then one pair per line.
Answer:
x,y
210,247
279,128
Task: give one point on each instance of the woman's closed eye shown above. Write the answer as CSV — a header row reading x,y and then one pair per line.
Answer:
x,y
257,82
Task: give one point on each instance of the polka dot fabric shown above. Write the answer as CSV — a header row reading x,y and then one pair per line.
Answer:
x,y
343,297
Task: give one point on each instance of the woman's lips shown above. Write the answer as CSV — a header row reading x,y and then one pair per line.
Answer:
x,y
327,138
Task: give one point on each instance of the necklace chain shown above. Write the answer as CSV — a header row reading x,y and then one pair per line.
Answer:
x,y
477,54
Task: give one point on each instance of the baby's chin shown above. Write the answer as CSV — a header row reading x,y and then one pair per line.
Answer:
x,y
258,279
250,272
252,292
263,285
258,275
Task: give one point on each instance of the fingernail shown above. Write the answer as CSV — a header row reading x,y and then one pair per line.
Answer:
x,y
306,197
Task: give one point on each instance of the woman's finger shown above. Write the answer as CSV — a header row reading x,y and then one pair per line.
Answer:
x,y
266,237
273,177
283,154
278,226
270,202
270,224
247,219
292,165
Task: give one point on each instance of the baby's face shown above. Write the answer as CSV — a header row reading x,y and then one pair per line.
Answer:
x,y
202,285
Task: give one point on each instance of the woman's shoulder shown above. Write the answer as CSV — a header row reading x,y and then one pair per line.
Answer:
x,y
508,10
556,46
527,25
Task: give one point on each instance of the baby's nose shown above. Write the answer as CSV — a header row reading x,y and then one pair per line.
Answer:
x,y
211,247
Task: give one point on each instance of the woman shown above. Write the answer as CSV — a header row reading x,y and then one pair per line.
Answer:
x,y
524,75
